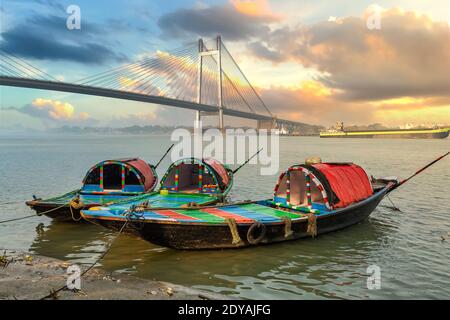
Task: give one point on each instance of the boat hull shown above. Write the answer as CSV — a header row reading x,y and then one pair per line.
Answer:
x,y
195,236
59,209
57,213
190,237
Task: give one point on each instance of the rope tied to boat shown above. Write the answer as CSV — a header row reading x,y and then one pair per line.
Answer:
x,y
135,212
38,214
76,203
287,227
135,216
73,215
190,205
140,208
312,225
234,231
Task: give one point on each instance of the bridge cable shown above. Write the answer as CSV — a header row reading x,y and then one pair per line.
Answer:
x,y
21,61
87,79
237,66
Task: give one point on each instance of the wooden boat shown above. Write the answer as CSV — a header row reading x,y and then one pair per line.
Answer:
x,y
106,182
187,182
308,200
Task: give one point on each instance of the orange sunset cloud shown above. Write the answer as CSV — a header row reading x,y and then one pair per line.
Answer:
x,y
399,73
256,8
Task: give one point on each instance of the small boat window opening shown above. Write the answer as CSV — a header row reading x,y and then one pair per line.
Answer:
x,y
191,177
112,177
196,176
300,187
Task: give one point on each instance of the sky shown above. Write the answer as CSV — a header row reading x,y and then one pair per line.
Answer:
x,y
360,62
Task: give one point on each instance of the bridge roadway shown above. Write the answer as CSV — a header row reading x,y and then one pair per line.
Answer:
x,y
111,93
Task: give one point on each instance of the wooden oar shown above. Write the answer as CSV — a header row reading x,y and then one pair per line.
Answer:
x,y
168,150
236,170
417,172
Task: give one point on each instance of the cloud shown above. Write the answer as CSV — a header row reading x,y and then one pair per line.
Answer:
x,y
235,21
54,112
262,51
409,104
312,102
52,3
409,56
47,37
255,8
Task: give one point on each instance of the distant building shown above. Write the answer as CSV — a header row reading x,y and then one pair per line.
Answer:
x,y
339,126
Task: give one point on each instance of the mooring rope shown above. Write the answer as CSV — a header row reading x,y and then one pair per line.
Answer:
x,y
53,293
73,216
21,218
287,227
33,215
76,204
394,207
234,232
12,202
312,225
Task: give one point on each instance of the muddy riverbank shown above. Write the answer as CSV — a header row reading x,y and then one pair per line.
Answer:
x,y
28,276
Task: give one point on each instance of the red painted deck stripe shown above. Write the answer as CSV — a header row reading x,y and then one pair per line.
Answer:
x,y
174,215
225,214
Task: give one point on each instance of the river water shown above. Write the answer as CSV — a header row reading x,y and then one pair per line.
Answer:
x,y
414,262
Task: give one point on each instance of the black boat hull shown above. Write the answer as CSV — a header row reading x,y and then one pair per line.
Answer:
x,y
58,212
209,236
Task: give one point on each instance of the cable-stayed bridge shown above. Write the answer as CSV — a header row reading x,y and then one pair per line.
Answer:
x,y
201,76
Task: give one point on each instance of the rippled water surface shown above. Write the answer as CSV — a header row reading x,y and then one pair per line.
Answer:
x,y
406,245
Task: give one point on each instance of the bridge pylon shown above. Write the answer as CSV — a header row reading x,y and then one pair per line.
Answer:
x,y
267,124
217,53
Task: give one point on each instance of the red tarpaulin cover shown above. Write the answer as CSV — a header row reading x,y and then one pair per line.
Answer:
x,y
143,167
219,168
349,182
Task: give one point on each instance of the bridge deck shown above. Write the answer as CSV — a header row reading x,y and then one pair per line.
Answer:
x,y
126,95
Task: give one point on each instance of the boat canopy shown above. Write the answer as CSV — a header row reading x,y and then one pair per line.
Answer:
x,y
322,186
192,175
130,175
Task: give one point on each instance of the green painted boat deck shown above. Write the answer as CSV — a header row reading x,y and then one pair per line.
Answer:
x,y
157,200
241,213
123,202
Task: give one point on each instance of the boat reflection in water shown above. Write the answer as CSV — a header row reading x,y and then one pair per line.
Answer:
x,y
329,261
67,241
